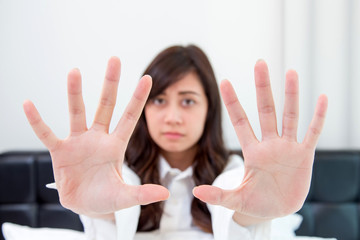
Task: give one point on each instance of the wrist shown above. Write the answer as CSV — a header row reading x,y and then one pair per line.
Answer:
x,y
109,216
246,220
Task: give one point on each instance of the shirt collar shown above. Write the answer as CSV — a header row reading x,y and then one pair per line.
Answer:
x,y
165,169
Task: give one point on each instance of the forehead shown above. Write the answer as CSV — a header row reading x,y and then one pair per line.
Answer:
x,y
189,82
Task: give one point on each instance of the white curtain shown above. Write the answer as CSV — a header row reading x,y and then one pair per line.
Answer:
x,y
321,41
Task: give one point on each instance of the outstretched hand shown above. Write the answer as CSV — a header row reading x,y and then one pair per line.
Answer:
x,y
88,163
278,169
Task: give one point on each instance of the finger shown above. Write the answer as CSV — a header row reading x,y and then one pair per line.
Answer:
x,y
237,114
208,194
265,101
133,110
217,196
291,107
108,95
76,103
317,123
42,131
145,194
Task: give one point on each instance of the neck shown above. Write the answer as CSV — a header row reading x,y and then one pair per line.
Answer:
x,y
180,160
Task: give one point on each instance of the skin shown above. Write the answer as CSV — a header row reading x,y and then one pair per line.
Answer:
x,y
176,120
87,164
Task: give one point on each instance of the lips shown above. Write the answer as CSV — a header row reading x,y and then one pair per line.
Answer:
x,y
173,135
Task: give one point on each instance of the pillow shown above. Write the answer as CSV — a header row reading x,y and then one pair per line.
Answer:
x,y
13,231
313,238
282,228
285,227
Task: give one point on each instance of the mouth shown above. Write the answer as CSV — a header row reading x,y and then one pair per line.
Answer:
x,y
173,135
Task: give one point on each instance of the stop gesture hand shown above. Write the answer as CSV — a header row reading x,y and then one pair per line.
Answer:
x,y
88,163
278,169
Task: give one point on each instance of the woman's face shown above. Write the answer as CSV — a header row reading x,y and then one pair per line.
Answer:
x,y
176,117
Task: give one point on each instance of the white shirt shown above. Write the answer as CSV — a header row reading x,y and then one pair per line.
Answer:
x,y
176,221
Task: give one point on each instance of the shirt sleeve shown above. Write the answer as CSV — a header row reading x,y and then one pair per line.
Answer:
x,y
98,229
126,220
224,227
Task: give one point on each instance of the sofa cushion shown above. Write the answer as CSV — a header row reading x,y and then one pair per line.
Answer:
x,y
24,214
55,216
336,177
45,176
17,179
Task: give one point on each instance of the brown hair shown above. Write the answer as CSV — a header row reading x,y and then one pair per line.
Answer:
x,y
142,153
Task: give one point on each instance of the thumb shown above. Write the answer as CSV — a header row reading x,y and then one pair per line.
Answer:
x,y
216,196
147,193
209,194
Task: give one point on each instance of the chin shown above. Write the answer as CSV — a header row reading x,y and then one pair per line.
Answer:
x,y
175,148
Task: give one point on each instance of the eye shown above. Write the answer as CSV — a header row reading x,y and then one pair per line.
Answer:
x,y
187,102
158,101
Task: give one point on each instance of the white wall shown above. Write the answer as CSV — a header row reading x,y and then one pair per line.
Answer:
x,y
40,41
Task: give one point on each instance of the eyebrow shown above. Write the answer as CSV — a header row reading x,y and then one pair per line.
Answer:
x,y
188,92
184,93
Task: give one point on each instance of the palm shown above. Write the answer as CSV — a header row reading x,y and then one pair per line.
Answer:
x,y
281,178
88,164
93,171
277,169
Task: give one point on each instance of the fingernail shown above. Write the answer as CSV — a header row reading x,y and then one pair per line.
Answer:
x,y
193,191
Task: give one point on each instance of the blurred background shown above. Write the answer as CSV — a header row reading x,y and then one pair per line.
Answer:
x,y
41,40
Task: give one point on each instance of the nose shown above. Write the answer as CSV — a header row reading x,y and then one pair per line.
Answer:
x,y
173,115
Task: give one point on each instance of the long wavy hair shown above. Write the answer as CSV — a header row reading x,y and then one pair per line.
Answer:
x,y
142,154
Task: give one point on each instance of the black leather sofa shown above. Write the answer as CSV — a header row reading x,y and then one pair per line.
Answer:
x,y
24,198
332,208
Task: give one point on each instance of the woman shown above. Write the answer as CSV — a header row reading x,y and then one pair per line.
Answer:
x,y
189,126
180,129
